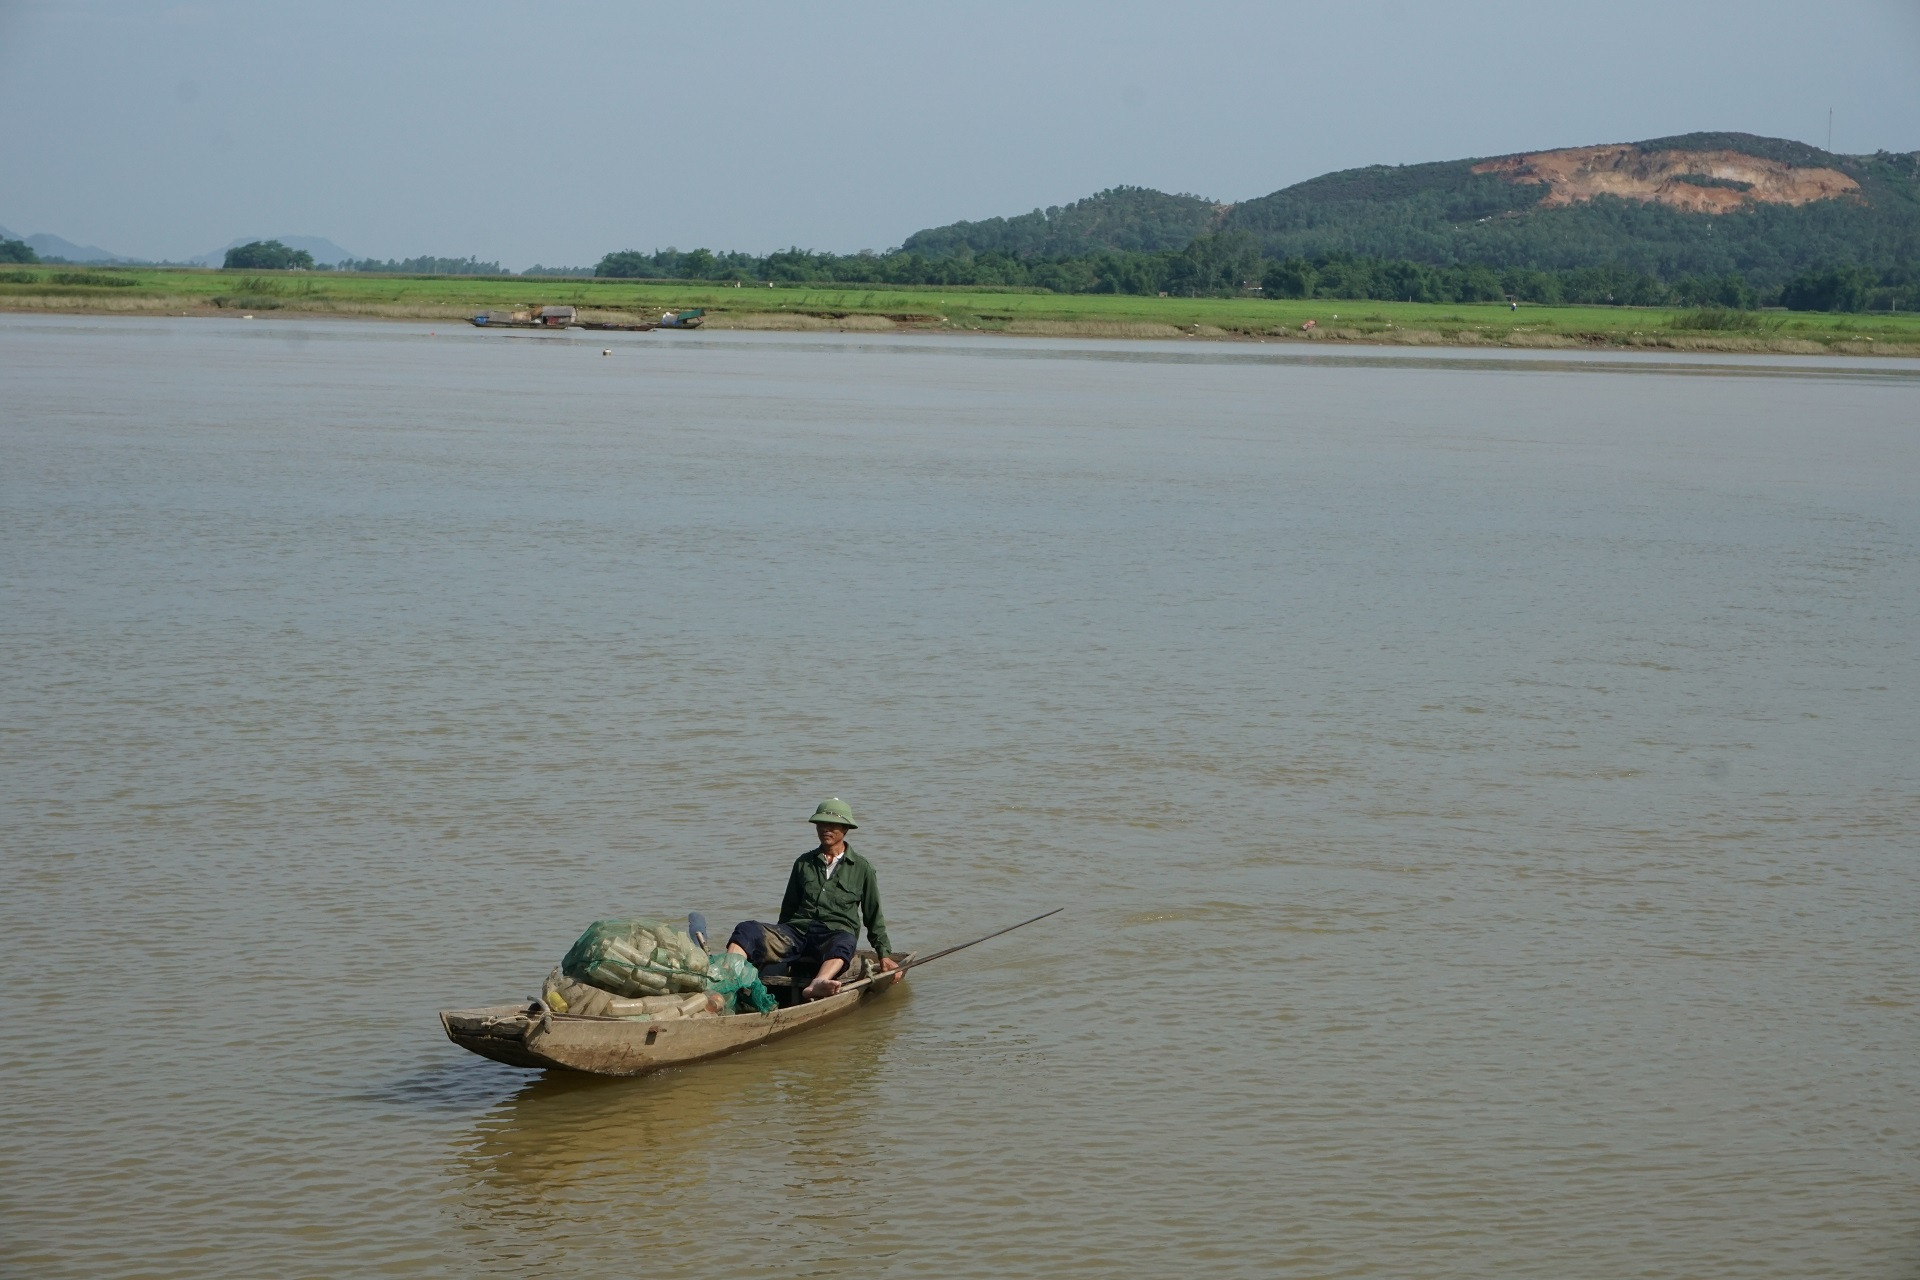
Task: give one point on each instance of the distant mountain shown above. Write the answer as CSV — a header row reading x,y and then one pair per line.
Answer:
x,y
54,247
1704,204
324,251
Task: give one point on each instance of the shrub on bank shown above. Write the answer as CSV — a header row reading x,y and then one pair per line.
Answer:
x,y
267,255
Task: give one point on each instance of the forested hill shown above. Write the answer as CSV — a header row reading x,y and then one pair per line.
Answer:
x,y
1700,204
1127,219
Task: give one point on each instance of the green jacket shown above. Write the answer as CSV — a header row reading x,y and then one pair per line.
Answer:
x,y
840,903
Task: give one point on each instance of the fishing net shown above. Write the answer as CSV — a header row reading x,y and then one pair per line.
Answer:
x,y
734,975
634,958
636,961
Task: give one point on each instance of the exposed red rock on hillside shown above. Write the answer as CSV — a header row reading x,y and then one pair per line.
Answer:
x,y
1732,180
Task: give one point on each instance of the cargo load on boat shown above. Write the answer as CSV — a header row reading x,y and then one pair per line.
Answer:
x,y
632,961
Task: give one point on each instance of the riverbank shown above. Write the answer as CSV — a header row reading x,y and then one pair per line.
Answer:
x,y
164,291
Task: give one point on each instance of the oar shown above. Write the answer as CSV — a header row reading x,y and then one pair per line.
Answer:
x,y
914,962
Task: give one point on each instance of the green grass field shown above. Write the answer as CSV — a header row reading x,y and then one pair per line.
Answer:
x,y
175,290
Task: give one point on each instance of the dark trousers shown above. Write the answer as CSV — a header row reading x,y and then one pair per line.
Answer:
x,y
787,950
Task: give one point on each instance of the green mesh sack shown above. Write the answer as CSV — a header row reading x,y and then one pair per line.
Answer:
x,y
734,975
635,958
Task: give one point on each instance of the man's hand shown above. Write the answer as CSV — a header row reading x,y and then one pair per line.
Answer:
x,y
889,965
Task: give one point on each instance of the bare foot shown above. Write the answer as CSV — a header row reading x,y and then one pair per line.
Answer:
x,y
821,988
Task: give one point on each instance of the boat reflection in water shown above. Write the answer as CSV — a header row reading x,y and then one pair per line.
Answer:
x,y
688,1152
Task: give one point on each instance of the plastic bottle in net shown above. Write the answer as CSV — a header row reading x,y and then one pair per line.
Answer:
x,y
635,958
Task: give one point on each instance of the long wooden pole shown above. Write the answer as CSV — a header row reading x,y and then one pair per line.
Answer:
x,y
914,962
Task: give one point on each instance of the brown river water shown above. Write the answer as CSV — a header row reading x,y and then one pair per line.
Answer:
x,y
1482,789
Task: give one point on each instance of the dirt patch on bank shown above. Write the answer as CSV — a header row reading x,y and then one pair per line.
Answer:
x,y
1090,329
1696,181
796,321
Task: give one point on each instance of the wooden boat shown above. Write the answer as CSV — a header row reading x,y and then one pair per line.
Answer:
x,y
533,1035
553,318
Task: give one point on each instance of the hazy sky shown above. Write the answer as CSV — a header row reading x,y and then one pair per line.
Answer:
x,y
557,133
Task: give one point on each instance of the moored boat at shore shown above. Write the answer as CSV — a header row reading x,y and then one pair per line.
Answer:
x,y
569,318
552,318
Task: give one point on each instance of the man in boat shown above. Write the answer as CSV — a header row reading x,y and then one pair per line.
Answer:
x,y
832,892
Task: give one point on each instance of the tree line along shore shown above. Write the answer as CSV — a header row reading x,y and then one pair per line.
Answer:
x,y
955,308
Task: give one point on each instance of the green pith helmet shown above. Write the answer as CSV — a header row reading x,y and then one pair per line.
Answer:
x,y
836,811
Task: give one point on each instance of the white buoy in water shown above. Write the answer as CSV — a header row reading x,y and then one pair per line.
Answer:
x,y
607,352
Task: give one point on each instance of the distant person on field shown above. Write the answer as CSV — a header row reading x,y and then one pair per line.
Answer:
x,y
831,893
